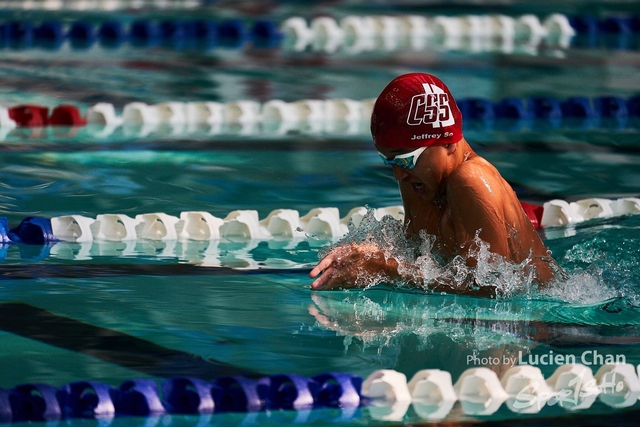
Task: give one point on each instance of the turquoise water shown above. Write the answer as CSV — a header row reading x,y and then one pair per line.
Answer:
x,y
272,323
198,299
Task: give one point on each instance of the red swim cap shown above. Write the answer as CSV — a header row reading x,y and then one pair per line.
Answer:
x,y
415,110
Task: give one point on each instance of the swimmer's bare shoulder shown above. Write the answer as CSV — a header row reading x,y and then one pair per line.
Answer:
x,y
476,197
475,173
482,199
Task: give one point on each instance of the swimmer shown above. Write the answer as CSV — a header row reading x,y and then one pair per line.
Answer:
x,y
447,190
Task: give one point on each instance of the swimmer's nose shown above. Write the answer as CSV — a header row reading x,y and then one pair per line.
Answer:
x,y
399,173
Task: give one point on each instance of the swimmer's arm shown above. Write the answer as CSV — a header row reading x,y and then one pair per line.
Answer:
x,y
343,265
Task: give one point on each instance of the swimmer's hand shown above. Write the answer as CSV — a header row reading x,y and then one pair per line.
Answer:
x,y
353,265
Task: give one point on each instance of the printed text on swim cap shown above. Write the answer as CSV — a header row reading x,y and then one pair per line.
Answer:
x,y
431,108
432,136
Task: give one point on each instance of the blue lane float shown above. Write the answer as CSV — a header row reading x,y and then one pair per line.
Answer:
x,y
35,402
633,106
143,33
182,395
584,25
205,34
611,32
6,413
172,31
289,392
477,109
616,25
19,34
89,399
338,390
615,31
512,108
4,231
82,35
112,34
545,108
611,106
233,33
266,34
188,396
139,398
50,35
33,230
237,394
578,107
386,393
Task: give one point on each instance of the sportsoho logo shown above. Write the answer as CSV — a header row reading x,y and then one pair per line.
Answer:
x,y
431,108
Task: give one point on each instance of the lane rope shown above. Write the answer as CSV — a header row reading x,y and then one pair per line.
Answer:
x,y
340,116
281,224
326,35
385,393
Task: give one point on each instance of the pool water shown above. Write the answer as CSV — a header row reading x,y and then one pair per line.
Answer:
x,y
206,309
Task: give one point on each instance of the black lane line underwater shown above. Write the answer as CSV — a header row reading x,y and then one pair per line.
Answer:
x,y
86,271
309,143
112,346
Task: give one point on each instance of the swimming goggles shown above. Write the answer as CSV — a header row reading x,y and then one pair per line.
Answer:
x,y
407,161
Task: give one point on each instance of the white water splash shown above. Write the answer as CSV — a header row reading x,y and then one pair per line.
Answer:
x,y
581,288
416,258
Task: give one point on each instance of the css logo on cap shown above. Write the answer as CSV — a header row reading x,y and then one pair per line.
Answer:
x,y
431,108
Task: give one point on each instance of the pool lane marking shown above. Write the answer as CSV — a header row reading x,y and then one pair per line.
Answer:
x,y
111,346
308,143
311,143
91,270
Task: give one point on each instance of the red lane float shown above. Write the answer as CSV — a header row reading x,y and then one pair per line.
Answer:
x,y
30,115
66,115
534,212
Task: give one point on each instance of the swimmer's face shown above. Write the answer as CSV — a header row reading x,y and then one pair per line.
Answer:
x,y
428,173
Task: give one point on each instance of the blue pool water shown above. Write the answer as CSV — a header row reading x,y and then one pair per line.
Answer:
x,y
208,308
